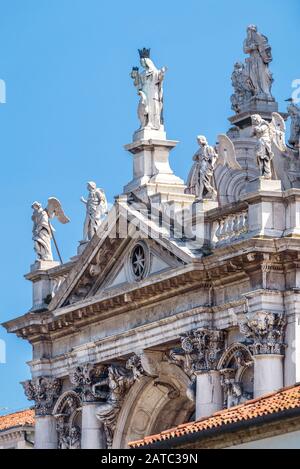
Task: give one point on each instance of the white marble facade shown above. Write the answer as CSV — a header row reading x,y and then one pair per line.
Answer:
x,y
181,303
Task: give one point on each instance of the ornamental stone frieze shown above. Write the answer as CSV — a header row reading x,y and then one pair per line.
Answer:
x,y
200,350
265,331
44,391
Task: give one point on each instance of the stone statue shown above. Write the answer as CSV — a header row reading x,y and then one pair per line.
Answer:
x,y
294,113
118,382
268,135
149,84
42,232
243,91
257,65
200,180
96,208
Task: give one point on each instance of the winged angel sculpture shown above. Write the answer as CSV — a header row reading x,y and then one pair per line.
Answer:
x,y
270,135
42,232
201,178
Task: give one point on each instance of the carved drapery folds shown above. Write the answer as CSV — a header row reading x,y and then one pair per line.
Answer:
x,y
44,391
265,331
233,390
106,385
200,350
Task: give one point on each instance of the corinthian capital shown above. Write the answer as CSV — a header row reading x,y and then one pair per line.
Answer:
x,y
44,391
200,350
265,330
84,377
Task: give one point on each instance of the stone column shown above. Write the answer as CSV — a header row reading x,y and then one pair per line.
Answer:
x,y
268,373
44,391
208,393
85,377
45,432
200,353
266,331
92,432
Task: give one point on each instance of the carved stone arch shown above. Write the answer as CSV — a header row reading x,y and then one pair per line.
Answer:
x,y
237,374
231,351
65,401
153,405
67,412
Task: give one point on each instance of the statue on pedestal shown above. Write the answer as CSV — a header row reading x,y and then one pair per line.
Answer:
x,y
149,84
201,178
294,113
268,135
243,91
42,232
257,65
96,208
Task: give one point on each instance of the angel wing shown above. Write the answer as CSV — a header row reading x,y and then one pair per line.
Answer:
x,y
104,205
226,152
277,131
54,209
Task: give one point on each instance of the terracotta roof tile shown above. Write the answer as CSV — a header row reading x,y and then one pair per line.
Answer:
x,y
285,399
18,419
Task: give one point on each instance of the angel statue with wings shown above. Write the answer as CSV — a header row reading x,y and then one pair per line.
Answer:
x,y
201,178
96,208
42,232
269,136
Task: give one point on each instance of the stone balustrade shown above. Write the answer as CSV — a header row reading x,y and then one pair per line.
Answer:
x,y
230,228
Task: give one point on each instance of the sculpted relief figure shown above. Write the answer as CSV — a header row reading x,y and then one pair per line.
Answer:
x,y
243,91
96,208
268,135
294,113
201,178
149,85
257,65
42,232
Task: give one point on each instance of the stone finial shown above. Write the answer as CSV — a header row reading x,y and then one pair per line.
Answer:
x,y
200,350
266,332
44,391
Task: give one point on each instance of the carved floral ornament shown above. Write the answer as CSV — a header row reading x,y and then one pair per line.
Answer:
x,y
44,391
265,332
200,350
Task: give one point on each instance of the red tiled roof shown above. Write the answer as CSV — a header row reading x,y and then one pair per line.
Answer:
x,y
285,399
18,419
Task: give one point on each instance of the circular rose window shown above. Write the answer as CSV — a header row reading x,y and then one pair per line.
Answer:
x,y
138,262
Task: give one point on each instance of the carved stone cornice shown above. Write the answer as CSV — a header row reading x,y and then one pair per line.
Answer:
x,y
84,377
200,350
44,390
265,330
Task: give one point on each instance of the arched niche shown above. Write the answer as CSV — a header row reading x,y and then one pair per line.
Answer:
x,y
67,412
154,405
236,366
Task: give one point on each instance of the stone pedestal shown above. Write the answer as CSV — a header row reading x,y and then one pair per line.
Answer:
x,y
92,433
208,393
151,169
148,133
268,374
261,184
45,432
41,283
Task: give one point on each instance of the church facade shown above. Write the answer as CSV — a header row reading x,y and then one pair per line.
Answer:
x,y
183,299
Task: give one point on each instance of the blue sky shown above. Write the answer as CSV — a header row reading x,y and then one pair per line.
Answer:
x,y
71,107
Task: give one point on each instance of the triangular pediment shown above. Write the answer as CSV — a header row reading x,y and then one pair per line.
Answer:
x,y
107,262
